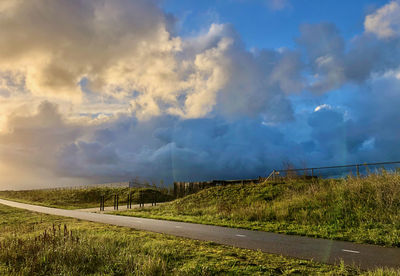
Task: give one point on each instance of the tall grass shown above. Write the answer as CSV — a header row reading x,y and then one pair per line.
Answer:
x,y
63,253
356,209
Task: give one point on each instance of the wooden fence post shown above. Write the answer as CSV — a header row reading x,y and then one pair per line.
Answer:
x,y
101,203
116,198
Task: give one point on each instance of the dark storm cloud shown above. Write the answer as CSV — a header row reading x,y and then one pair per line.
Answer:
x,y
203,107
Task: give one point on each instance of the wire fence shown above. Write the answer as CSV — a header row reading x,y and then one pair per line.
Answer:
x,y
358,170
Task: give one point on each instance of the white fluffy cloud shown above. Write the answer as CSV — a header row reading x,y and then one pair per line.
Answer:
x,y
56,44
126,51
384,22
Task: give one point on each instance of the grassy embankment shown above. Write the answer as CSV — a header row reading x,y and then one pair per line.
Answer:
x,y
69,198
364,210
35,244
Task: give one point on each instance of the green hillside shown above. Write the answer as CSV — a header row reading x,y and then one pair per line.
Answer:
x,y
84,197
365,210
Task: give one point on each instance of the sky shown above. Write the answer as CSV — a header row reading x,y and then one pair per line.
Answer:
x,y
162,91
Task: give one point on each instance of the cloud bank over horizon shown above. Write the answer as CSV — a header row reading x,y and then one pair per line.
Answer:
x,y
105,91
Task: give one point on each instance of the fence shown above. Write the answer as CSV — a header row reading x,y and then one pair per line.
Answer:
x,y
140,197
185,188
336,171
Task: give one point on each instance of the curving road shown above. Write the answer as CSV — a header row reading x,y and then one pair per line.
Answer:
x,y
321,250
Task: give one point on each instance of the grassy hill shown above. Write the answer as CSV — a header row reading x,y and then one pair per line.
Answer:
x,y
37,244
365,210
83,197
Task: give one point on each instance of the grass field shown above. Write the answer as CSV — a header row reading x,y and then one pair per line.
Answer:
x,y
36,244
364,210
83,198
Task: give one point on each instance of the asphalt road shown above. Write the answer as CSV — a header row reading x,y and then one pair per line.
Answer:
x,y
321,250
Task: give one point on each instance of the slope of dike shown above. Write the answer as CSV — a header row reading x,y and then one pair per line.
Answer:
x,y
363,210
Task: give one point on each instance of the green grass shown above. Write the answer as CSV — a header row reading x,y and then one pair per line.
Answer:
x,y
82,198
36,244
363,210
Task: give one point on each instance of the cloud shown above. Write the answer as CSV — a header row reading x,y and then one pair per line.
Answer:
x,y
377,109
218,76
171,149
29,144
57,43
108,91
332,62
322,106
278,5
159,148
384,22
325,49
30,136
174,149
127,51
333,135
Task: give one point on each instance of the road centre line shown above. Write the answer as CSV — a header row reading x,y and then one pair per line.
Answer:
x,y
351,251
